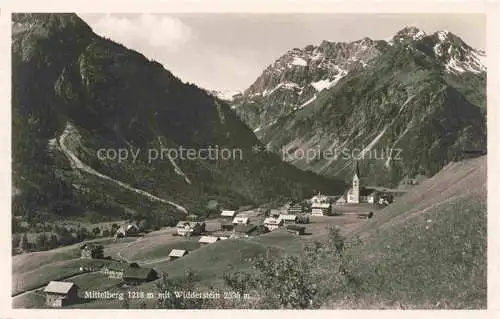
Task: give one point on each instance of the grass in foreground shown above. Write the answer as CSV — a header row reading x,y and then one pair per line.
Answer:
x,y
437,259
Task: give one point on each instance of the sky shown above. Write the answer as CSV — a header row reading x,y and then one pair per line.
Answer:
x,y
227,52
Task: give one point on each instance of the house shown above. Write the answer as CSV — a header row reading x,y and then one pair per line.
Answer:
x,y
228,213
244,229
319,199
371,198
320,209
245,208
275,213
296,229
295,209
138,275
189,228
341,201
59,293
177,253
208,239
127,229
289,219
93,266
272,223
240,220
91,251
226,226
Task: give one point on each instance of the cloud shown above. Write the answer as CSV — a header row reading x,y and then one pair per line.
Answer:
x,y
155,31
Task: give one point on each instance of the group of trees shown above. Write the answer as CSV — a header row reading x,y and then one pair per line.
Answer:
x,y
58,236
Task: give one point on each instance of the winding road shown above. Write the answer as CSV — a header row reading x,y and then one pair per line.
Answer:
x,y
78,164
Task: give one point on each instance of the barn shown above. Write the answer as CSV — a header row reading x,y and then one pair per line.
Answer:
x,y
137,275
240,220
177,253
60,293
296,229
228,213
208,239
272,223
289,219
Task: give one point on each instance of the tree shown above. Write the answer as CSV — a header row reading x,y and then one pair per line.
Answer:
x,y
143,224
303,219
169,286
82,233
24,244
65,237
16,239
53,242
297,282
41,241
96,231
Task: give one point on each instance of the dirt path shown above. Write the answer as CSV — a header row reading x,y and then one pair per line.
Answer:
x,y
78,164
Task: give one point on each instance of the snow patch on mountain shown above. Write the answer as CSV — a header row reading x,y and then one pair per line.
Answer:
x,y
265,126
299,61
327,83
321,84
419,35
285,85
443,35
473,63
227,95
307,102
437,49
373,142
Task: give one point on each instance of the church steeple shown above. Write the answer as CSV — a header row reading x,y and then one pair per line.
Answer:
x,y
355,184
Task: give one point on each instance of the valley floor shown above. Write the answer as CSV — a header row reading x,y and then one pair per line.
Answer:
x,y
426,250
32,271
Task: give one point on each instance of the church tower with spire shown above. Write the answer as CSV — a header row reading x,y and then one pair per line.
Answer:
x,y
355,185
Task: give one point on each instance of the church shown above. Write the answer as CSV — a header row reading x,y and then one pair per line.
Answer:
x,y
357,194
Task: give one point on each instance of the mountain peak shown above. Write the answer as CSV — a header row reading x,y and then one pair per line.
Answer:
x,y
55,21
409,33
442,34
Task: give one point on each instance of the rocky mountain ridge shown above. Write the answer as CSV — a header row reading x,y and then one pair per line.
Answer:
x,y
349,95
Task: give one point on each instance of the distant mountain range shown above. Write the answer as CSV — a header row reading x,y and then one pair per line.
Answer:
x,y
77,95
422,95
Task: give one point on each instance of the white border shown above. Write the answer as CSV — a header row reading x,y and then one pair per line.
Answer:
x,y
491,8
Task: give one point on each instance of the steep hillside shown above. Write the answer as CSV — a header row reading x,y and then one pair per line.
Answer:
x,y
427,250
404,107
76,94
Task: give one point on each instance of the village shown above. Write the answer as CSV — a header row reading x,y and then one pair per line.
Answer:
x,y
305,219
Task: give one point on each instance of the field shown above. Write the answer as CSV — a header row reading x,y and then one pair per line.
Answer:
x,y
209,263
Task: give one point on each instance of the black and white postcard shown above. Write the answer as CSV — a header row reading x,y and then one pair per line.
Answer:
x,y
191,159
